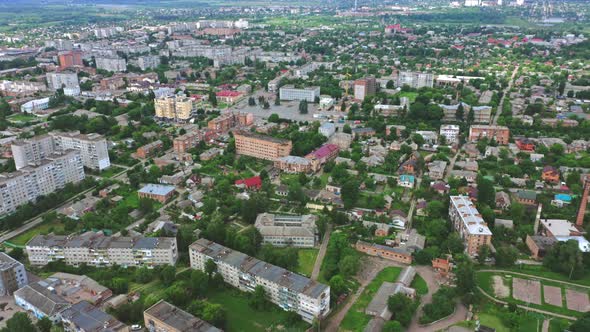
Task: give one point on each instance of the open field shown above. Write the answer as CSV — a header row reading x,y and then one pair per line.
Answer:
x,y
307,259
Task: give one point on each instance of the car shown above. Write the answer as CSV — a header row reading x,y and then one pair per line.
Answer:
x,y
135,327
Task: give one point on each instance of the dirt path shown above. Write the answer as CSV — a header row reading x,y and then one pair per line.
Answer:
x,y
323,248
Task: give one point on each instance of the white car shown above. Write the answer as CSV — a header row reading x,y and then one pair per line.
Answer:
x,y
135,327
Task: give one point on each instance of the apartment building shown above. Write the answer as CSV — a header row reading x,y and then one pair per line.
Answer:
x,y
164,317
294,164
481,114
364,87
467,221
499,133
175,108
21,88
30,182
70,59
282,231
148,61
66,81
262,147
450,133
97,249
92,148
227,121
183,143
288,290
111,64
12,275
289,92
415,79
396,254
149,150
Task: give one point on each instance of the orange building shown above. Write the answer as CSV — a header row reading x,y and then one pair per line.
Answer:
x,y
149,150
262,147
443,266
500,134
394,254
70,59
550,174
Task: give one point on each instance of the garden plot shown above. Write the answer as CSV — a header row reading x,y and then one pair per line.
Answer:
x,y
526,290
552,295
500,289
577,300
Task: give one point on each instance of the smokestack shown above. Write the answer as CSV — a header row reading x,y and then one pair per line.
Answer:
x,y
584,202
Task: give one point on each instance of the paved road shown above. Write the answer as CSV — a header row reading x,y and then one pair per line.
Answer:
x,y
506,91
451,165
323,248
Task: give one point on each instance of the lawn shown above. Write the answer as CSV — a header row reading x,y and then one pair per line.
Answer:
x,y
356,319
492,321
241,317
411,95
43,228
419,285
307,259
111,171
19,117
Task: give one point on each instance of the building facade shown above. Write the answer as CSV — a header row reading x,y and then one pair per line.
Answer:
x,y
12,275
467,221
98,250
289,92
262,147
288,290
66,81
176,108
499,133
28,183
111,64
415,79
364,87
395,254
450,133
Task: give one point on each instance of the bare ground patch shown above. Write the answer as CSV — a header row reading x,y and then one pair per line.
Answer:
x,y
552,295
526,290
577,300
500,288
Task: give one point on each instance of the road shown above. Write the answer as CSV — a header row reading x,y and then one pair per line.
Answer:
x,y
323,248
506,91
451,166
35,221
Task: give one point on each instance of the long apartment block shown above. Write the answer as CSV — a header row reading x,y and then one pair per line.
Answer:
x,y
260,146
288,290
92,147
467,221
97,249
50,174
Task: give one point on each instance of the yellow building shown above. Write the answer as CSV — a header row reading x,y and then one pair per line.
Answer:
x,y
262,147
177,108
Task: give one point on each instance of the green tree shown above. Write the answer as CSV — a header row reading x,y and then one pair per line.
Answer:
x,y
486,193
303,107
392,326
346,129
402,308
465,277
581,324
20,322
349,265
565,258
483,253
274,118
210,267
168,274
258,299
199,283
213,98
337,285
44,324
506,256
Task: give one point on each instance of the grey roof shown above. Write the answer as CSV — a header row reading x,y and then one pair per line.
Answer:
x,y
98,240
42,298
156,189
178,318
253,266
89,318
7,262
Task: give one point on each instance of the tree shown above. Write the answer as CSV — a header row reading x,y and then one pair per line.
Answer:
x,y
44,324
346,129
349,265
251,101
486,193
465,277
350,194
337,285
392,326
258,299
582,324
436,209
303,107
212,98
19,322
506,256
168,274
565,258
402,308
210,267
199,282
146,205
274,118
483,253
214,314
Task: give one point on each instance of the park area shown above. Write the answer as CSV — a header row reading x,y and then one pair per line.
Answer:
x,y
549,295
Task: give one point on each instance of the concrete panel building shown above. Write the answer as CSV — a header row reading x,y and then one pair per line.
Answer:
x,y
289,92
282,231
290,291
262,147
175,108
64,80
415,79
97,249
467,221
364,87
111,64
12,275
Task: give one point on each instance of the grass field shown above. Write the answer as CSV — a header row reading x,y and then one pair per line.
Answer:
x,y
111,171
241,317
43,228
411,95
356,319
307,259
419,285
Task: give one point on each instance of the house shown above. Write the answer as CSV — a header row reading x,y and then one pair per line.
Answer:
x,y
381,229
440,187
539,245
436,169
253,183
363,132
85,317
78,209
467,165
408,167
159,192
442,266
394,254
526,197
470,176
406,181
550,174
525,145
502,200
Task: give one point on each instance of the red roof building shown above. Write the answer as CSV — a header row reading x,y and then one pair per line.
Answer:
x,y
254,182
525,145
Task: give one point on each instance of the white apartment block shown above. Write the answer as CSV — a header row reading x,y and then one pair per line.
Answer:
x,y
288,290
467,221
28,183
415,79
97,249
92,147
176,108
12,275
327,129
111,64
450,133
289,92
62,80
148,61
282,231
